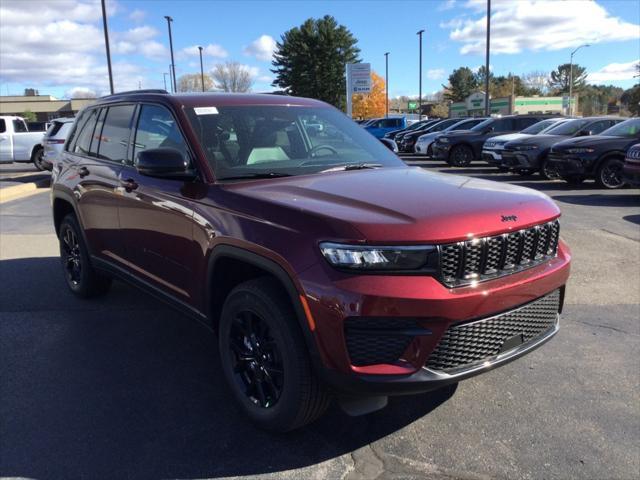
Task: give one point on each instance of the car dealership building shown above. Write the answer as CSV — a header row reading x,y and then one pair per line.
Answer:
x,y
474,105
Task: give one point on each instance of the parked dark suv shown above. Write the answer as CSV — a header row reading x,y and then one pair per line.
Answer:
x,y
460,148
328,268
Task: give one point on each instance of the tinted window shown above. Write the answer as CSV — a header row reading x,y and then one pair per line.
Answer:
x,y
114,139
524,122
498,125
19,126
54,128
465,124
540,126
157,129
85,133
628,128
3,126
597,127
568,128
93,149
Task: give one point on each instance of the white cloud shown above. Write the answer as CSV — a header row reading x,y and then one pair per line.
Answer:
x,y
539,25
137,34
154,50
613,72
211,50
436,74
80,92
137,15
261,48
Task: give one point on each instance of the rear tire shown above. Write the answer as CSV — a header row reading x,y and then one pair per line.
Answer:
x,y
609,174
37,159
81,277
265,359
460,156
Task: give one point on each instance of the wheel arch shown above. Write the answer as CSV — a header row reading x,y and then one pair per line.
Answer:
x,y
619,154
233,265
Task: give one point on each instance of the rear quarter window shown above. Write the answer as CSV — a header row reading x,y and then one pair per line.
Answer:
x,y
3,126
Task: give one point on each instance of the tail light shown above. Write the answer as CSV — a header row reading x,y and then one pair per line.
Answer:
x,y
52,141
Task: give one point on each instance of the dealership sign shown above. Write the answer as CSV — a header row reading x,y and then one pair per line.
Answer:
x,y
359,77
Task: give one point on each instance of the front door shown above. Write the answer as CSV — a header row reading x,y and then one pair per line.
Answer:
x,y
156,217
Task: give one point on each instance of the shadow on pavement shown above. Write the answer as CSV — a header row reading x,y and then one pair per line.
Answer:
x,y
633,219
124,387
617,199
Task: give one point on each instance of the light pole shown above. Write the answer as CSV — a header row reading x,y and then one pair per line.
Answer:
x,y
420,75
164,77
487,107
386,84
106,43
201,69
173,65
571,77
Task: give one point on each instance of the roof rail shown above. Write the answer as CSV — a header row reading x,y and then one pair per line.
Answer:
x,y
132,92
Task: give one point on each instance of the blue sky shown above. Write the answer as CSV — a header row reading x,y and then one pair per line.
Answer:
x,y
63,54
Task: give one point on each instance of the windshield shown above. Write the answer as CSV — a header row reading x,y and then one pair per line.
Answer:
x,y
465,124
628,128
245,141
540,126
482,125
570,127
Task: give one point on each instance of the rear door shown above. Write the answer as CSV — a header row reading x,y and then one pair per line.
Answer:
x,y
6,151
157,215
98,160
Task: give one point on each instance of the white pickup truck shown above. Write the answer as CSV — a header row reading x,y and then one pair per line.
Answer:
x,y
18,144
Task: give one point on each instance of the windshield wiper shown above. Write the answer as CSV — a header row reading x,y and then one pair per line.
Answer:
x,y
257,175
353,166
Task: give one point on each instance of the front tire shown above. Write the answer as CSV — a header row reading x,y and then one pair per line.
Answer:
x,y
460,156
265,359
547,171
609,174
37,159
79,274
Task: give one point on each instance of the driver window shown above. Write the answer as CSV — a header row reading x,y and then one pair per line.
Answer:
x,y
157,129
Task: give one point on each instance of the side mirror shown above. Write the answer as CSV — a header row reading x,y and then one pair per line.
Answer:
x,y
162,162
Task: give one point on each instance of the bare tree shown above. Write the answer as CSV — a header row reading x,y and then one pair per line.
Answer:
x,y
232,77
537,80
192,82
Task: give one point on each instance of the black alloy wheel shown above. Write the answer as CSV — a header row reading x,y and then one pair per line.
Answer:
x,y
38,159
609,174
548,171
256,359
71,257
460,156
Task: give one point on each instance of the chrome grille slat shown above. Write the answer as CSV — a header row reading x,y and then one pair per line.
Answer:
x,y
483,258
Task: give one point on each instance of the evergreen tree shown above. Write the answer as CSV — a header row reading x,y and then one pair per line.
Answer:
x,y
462,83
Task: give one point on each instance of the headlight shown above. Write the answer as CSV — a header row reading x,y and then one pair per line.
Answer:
x,y
443,140
521,148
580,150
355,257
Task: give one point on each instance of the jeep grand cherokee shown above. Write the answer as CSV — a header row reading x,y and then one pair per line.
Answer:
x,y
327,267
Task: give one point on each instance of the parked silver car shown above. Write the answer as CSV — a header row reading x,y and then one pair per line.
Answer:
x,y
54,139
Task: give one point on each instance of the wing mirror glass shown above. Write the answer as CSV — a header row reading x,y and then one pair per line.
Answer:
x,y
163,162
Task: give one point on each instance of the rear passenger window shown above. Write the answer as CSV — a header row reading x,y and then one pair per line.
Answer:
x,y
85,133
522,123
114,139
503,125
3,126
157,129
93,149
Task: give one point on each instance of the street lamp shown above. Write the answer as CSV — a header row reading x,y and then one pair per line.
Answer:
x,y
106,43
164,77
487,107
386,84
201,69
173,65
571,76
420,75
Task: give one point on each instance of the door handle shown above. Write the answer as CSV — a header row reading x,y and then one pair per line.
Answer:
x,y
129,184
83,172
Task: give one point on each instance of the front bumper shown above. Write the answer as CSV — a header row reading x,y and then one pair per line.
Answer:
x,y
492,157
440,150
336,298
567,166
631,173
424,148
521,159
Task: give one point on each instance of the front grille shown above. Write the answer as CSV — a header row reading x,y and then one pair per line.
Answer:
x,y
373,340
468,344
480,259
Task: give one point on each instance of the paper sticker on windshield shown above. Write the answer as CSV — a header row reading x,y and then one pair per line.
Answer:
x,y
206,110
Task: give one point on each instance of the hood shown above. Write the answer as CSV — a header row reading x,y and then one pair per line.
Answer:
x,y
400,204
508,138
461,133
593,141
540,140
428,136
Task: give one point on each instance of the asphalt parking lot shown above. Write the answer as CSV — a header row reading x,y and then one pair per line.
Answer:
x,y
124,387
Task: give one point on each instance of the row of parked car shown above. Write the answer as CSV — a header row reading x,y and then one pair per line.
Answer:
x,y
572,149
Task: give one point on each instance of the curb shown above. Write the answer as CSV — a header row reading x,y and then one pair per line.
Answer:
x,y
18,191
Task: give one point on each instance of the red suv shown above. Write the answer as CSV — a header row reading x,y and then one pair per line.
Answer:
x,y
327,267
